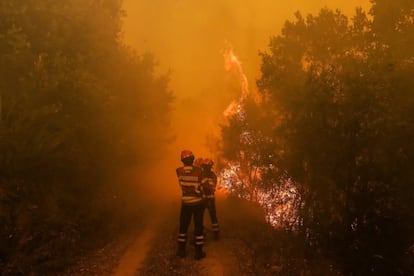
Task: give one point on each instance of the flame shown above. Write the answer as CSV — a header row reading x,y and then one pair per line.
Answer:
x,y
279,203
233,64
234,109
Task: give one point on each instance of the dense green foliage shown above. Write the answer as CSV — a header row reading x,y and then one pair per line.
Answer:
x,y
340,94
76,108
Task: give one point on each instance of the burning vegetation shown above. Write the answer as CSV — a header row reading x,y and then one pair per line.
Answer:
x,y
323,141
244,178
326,150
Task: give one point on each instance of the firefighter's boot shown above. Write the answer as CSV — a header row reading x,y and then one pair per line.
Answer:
x,y
181,250
199,253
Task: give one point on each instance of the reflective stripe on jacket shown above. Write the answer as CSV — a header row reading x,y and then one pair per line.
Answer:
x,y
189,178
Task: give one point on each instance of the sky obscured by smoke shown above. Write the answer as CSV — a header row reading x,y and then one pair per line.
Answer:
x,y
187,38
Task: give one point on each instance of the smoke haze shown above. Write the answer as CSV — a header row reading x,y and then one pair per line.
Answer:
x,y
187,38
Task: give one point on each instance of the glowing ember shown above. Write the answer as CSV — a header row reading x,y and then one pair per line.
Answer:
x,y
278,203
235,108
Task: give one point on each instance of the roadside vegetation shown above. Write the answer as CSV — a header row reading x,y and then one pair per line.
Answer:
x,y
335,120
82,114
78,109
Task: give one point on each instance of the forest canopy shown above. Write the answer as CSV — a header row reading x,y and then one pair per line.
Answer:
x,y
336,121
77,107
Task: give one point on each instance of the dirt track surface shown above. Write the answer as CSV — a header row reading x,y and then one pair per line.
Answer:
x,y
136,253
152,251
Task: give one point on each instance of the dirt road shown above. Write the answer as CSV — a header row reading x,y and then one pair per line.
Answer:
x,y
228,256
134,257
152,250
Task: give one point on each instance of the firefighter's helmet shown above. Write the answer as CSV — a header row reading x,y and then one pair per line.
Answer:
x,y
208,162
198,162
186,154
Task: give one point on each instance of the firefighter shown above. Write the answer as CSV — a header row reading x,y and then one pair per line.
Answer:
x,y
198,162
209,183
192,205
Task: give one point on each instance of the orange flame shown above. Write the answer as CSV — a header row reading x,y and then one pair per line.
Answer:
x,y
279,205
233,64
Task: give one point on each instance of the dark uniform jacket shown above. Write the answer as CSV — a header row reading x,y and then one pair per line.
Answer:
x,y
209,183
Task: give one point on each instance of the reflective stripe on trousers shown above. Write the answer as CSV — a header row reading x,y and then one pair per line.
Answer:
x,y
182,238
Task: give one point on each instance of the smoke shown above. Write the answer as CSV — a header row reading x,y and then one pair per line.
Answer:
x,y
188,37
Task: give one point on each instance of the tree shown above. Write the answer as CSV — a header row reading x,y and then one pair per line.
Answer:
x,y
77,107
247,161
343,133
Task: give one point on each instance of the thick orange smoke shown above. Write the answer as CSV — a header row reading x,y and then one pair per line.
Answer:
x,y
187,38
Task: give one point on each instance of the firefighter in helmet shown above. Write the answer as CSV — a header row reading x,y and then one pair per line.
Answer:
x,y
209,183
198,162
192,205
